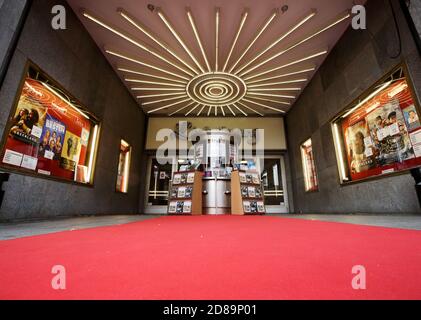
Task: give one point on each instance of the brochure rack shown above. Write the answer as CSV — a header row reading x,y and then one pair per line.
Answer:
x,y
185,196
247,196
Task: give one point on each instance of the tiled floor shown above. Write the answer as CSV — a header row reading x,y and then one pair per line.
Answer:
x,y
25,229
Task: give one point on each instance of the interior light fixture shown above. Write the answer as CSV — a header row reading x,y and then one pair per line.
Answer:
x,y
157,89
274,89
88,176
305,165
217,39
287,65
126,167
341,18
282,75
150,75
200,112
233,113
262,29
270,100
251,109
178,38
277,83
197,36
338,144
137,43
238,108
168,106
368,98
55,92
264,106
163,100
181,109
273,44
154,82
122,56
272,95
153,37
237,35
397,90
162,95
192,109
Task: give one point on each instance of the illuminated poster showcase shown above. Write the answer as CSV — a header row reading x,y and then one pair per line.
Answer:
x,y
309,167
380,134
48,134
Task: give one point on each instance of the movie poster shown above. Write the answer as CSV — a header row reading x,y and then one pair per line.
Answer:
x,y
28,121
71,151
389,134
360,147
52,139
412,119
384,134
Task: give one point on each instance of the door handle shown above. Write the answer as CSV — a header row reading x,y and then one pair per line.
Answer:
x,y
205,192
227,192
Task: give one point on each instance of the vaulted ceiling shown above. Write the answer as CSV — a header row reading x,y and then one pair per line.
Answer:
x,y
212,57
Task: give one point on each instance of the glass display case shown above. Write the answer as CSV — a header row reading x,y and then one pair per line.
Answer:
x,y
380,133
217,152
48,133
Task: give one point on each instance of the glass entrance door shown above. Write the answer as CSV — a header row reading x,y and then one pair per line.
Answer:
x,y
159,177
272,174
274,185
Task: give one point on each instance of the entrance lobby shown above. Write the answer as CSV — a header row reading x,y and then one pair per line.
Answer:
x,y
210,150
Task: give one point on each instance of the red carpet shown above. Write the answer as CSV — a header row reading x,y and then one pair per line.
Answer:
x,y
221,257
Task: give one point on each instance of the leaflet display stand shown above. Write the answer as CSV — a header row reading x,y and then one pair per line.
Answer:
x,y
247,193
185,196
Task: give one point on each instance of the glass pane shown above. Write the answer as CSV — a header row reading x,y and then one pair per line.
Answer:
x,y
309,167
272,182
123,167
159,183
48,135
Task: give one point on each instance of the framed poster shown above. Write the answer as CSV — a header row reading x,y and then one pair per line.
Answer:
x,y
380,133
48,134
309,167
123,172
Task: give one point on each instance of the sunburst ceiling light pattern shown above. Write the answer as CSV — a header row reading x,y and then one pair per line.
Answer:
x,y
230,86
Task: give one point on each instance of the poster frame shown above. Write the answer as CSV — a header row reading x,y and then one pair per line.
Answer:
x,y
26,172
402,65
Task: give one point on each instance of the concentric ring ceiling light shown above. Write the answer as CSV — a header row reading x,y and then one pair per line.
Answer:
x,y
227,85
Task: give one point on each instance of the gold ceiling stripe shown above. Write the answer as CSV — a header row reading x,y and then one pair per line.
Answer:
x,y
320,53
237,35
177,37
181,109
152,36
264,106
341,18
137,43
274,14
149,75
308,17
168,106
251,109
282,75
122,56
